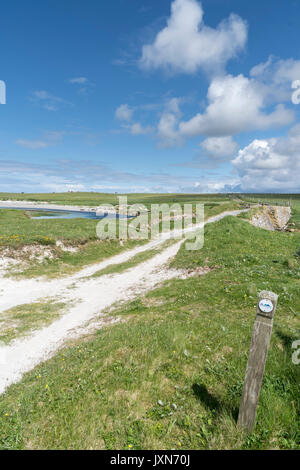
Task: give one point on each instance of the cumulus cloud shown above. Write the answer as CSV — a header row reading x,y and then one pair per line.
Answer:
x,y
219,147
270,164
277,70
124,113
167,132
138,129
167,129
235,104
186,44
277,75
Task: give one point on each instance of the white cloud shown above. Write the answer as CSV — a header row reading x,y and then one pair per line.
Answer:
x,y
173,105
49,138
32,144
85,86
138,129
277,76
78,80
214,186
219,147
277,70
270,164
85,176
124,113
167,129
44,95
48,101
187,44
235,104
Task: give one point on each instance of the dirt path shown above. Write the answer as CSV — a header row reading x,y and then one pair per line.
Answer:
x,y
92,296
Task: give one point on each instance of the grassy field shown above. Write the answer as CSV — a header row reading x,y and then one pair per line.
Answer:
x,y
18,230
95,199
171,375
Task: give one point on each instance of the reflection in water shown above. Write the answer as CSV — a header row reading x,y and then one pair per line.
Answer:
x,y
62,214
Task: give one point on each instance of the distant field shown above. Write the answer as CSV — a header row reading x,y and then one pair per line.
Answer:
x,y
278,199
95,199
17,230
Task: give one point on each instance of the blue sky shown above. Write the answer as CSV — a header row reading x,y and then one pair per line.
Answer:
x,y
141,95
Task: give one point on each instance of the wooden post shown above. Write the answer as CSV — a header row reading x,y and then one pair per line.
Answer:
x,y
266,307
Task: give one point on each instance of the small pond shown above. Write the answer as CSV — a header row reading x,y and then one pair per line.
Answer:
x,y
62,214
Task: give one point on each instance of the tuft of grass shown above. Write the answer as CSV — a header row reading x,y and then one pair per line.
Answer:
x,y
134,261
23,319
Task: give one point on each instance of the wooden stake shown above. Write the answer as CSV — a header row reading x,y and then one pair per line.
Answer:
x,y
266,307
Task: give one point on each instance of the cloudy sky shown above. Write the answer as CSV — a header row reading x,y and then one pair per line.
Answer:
x,y
156,96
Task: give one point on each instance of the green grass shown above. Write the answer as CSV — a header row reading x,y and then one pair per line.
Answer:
x,y
66,263
18,230
171,375
95,199
134,261
23,319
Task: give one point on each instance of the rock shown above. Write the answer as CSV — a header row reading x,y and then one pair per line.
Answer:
x,y
272,218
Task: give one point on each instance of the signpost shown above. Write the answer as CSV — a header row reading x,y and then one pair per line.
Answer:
x,y
266,307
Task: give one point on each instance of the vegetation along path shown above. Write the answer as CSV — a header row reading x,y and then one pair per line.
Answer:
x,y
88,297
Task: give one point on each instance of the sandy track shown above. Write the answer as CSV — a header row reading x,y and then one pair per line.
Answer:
x,y
17,292
92,296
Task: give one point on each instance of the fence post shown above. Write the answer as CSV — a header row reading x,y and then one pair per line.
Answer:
x,y
262,330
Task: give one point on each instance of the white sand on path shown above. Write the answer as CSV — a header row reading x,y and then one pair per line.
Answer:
x,y
11,204
92,296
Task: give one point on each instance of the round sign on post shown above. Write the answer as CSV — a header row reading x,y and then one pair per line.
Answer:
x,y
265,311
266,305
